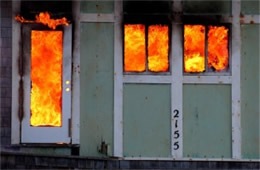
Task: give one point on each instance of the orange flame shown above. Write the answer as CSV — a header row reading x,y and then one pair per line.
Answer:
x,y
46,69
134,50
158,45
44,18
218,47
194,48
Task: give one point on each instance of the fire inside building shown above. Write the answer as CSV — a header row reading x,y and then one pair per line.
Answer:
x,y
129,84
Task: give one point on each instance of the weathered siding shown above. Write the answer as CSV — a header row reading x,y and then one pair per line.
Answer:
x,y
250,59
96,87
147,116
207,121
5,72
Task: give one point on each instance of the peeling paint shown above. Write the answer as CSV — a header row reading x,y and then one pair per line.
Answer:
x,y
252,22
20,100
20,64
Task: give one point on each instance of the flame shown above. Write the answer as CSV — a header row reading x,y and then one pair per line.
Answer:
x,y
158,45
134,51
44,18
46,69
218,47
194,48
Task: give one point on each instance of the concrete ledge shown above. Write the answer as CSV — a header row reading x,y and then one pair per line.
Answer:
x,y
12,160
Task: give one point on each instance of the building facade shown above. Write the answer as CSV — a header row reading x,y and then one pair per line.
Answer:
x,y
115,117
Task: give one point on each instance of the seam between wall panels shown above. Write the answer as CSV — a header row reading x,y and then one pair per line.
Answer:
x,y
176,85
118,82
236,87
76,75
16,38
177,95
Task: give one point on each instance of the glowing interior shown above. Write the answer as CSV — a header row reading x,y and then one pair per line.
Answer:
x,y
134,47
218,47
46,78
194,48
158,46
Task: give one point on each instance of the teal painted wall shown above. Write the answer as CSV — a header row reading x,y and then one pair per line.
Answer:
x,y
250,59
96,86
147,117
250,6
207,6
97,6
207,121
146,107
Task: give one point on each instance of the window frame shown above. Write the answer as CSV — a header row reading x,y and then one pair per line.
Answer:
x,y
208,71
177,78
147,21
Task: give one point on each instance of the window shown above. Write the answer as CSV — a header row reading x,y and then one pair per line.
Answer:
x,y
206,48
146,48
46,75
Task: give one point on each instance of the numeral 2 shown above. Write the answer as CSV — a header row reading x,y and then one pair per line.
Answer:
x,y
176,113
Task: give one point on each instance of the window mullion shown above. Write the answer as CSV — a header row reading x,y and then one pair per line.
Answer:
x,y
146,49
176,92
206,49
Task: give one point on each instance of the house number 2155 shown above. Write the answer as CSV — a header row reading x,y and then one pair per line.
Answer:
x,y
176,133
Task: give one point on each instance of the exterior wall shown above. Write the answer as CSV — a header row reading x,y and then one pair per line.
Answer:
x,y
250,7
207,121
96,96
250,91
146,112
6,71
96,81
104,7
250,65
96,87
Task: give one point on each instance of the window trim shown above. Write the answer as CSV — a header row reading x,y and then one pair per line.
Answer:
x,y
210,72
147,72
178,79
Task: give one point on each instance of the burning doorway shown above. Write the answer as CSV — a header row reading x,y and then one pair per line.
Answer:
x,y
45,80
